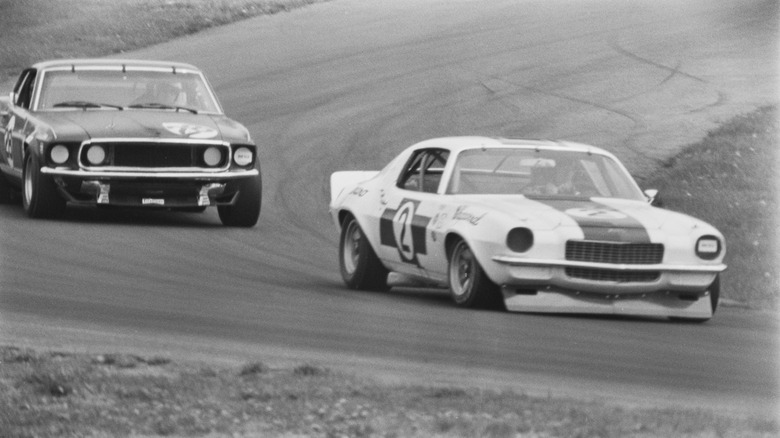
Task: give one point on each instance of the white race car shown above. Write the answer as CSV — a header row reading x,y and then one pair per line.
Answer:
x,y
535,226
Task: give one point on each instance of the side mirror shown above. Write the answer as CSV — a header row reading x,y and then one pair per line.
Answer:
x,y
653,198
12,98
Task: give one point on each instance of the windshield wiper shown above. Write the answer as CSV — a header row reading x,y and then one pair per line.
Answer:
x,y
155,105
85,104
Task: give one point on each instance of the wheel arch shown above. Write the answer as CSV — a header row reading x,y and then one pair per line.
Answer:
x,y
482,255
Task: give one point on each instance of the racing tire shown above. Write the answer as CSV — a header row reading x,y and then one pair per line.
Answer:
x,y
468,284
246,210
39,192
361,269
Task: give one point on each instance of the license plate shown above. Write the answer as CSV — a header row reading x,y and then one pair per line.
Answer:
x,y
153,201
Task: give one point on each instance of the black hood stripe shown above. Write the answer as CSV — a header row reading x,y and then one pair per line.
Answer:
x,y
599,221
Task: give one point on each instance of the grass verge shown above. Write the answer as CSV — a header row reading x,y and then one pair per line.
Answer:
x,y
730,179
79,395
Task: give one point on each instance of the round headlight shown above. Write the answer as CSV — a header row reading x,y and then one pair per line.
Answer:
x,y
96,155
708,247
212,156
59,154
520,239
242,156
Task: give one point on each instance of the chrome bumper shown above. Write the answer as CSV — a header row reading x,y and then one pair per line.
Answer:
x,y
199,176
517,261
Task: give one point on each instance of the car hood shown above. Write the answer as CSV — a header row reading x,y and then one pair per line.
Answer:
x,y
600,218
81,125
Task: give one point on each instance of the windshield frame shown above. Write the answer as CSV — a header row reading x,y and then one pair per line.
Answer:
x,y
628,189
212,104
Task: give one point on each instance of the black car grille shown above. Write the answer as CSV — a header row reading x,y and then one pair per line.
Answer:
x,y
146,155
615,253
613,275
134,155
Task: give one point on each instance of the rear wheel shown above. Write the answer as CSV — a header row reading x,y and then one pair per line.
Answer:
x,y
360,266
469,286
39,193
246,210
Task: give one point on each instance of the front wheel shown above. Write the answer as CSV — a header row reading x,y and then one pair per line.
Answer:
x,y
360,267
39,193
246,210
469,286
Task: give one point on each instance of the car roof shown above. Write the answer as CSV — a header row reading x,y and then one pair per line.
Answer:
x,y
110,62
458,144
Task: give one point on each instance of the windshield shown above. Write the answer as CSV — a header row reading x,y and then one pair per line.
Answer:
x,y
541,173
131,89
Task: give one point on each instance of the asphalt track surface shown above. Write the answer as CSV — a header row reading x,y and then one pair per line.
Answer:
x,y
347,85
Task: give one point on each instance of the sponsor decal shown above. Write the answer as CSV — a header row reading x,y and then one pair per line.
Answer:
x,y
404,230
359,192
190,130
462,215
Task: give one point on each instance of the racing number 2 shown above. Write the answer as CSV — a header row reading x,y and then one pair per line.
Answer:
x,y
402,229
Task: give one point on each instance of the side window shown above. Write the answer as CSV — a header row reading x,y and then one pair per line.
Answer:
x,y
23,89
424,170
410,177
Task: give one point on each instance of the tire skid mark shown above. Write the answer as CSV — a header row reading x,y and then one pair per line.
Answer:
x,y
722,99
673,71
637,122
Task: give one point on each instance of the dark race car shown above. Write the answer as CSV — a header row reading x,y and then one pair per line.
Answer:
x,y
125,133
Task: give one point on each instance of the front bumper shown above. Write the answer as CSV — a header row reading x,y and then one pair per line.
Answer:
x,y
149,189
110,175
521,272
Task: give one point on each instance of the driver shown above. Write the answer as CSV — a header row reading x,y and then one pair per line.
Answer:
x,y
159,92
553,180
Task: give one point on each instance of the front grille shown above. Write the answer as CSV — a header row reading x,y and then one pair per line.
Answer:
x,y
613,276
155,155
146,155
615,253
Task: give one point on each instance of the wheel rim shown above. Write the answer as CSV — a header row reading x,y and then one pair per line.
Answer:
x,y
352,239
28,182
462,270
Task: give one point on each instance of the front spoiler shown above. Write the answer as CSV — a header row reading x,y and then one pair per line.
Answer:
x,y
655,304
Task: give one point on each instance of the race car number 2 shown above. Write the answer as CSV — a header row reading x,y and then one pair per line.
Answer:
x,y
404,229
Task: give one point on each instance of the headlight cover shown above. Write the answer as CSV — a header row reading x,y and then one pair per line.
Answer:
x,y
243,156
96,155
212,156
59,154
708,247
520,239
